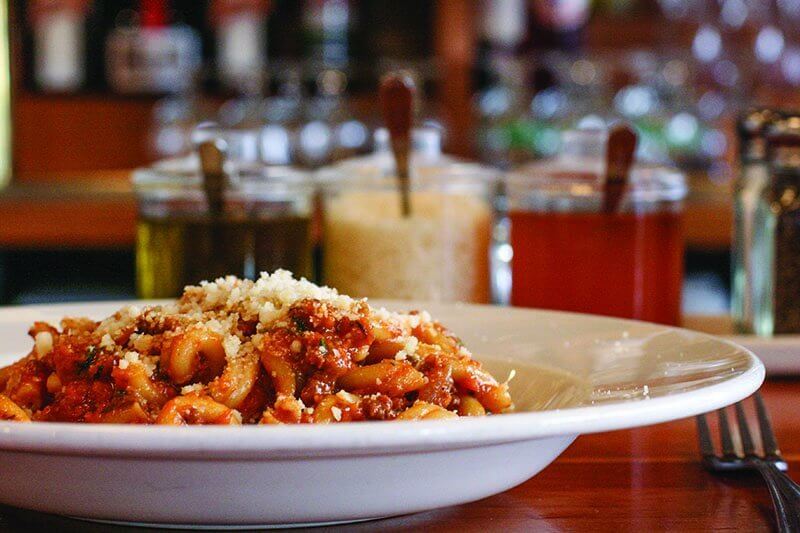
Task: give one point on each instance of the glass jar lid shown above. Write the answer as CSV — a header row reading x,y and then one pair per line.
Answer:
x,y
450,178
783,141
426,141
181,178
578,172
752,126
426,157
551,180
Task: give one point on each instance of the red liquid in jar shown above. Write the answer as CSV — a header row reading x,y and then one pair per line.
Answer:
x,y
626,265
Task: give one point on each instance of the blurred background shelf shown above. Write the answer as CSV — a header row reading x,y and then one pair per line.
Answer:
x,y
67,135
97,210
77,211
501,88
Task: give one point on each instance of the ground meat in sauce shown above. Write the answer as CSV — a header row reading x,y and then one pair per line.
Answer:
x,y
329,341
318,386
28,387
80,401
383,407
439,389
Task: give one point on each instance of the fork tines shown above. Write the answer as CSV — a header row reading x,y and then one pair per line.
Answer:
x,y
738,445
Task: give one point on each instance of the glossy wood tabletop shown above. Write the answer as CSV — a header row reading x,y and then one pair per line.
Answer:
x,y
641,480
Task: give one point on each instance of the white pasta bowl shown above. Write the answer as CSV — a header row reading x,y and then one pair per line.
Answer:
x,y
575,374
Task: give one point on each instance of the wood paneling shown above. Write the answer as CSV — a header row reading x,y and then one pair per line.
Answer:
x,y
455,43
56,134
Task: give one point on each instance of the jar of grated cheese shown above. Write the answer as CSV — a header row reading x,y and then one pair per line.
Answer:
x,y
438,253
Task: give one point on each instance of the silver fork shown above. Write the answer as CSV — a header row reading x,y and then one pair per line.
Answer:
x,y
785,493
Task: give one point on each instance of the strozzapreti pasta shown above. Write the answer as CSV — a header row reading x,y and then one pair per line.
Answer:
x,y
272,351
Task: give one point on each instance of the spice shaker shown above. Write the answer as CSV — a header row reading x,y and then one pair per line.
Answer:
x,y
776,243
753,176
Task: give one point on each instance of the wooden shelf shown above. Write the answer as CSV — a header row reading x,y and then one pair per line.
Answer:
x,y
98,210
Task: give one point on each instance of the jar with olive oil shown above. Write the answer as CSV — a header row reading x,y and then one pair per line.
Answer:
x,y
264,224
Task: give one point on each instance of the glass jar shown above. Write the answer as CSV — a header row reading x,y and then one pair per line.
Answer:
x,y
570,255
439,253
747,190
776,242
264,225
426,155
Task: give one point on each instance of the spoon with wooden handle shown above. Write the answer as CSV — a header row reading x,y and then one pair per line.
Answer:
x,y
619,158
212,154
397,105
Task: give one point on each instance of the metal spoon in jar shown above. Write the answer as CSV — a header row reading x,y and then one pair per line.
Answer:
x,y
397,105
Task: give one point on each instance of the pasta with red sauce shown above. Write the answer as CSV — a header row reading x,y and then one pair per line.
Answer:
x,y
271,351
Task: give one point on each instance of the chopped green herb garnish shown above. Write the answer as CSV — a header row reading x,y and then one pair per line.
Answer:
x,y
91,355
323,346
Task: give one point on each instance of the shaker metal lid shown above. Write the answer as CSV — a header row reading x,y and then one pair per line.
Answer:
x,y
755,121
785,131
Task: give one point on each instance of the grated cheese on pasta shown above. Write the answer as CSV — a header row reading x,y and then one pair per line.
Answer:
x,y
107,342
195,388
43,342
231,346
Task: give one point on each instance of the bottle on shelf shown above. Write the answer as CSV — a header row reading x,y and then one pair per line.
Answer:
x,y
282,114
502,30
326,31
558,24
503,25
59,47
172,122
316,137
241,41
153,55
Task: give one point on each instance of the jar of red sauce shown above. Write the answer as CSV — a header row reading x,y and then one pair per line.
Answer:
x,y
571,255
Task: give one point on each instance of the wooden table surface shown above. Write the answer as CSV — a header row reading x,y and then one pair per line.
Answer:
x,y
641,480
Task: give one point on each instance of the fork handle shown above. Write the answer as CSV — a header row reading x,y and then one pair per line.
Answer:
x,y
785,495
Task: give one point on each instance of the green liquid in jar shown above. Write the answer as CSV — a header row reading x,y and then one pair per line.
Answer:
x,y
175,252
